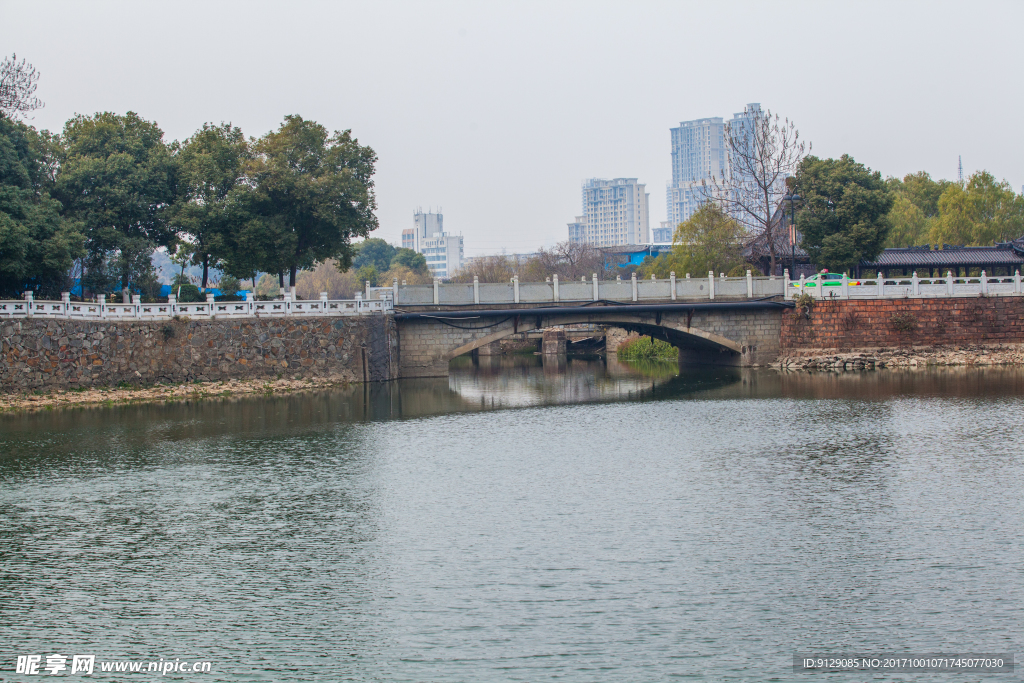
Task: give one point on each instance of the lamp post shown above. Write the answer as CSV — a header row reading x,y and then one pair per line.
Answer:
x,y
792,198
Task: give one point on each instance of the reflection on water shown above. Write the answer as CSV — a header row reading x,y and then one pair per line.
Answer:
x,y
529,380
584,520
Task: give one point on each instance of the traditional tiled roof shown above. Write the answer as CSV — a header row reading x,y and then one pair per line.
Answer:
x,y
925,257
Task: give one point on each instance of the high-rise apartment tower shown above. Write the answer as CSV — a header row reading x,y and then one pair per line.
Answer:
x,y
615,212
700,151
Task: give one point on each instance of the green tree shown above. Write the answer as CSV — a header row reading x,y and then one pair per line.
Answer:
x,y
367,273
117,178
921,191
374,251
915,208
979,212
312,193
413,260
844,217
709,240
229,286
37,244
956,224
211,164
909,225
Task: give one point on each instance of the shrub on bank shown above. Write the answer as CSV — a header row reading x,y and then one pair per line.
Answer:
x,y
646,348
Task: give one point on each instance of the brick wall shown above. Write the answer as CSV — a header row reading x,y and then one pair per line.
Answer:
x,y
848,325
43,354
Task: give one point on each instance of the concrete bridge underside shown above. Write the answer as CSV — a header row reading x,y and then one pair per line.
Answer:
x,y
723,336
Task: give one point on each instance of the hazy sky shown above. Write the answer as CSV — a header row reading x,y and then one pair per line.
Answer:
x,y
496,112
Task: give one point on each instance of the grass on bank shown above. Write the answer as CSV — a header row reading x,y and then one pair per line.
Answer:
x,y
646,348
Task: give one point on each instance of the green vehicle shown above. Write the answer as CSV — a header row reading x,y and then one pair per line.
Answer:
x,y
822,280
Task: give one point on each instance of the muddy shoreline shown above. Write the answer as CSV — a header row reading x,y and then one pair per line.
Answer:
x,y
160,393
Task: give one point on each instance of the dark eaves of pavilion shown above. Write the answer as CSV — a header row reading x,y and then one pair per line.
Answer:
x,y
1003,258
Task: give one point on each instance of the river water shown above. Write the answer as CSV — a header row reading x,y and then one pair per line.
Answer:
x,y
583,521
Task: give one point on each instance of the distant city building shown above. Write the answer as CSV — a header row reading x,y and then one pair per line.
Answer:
x,y
663,234
701,151
409,239
615,212
444,253
578,230
426,225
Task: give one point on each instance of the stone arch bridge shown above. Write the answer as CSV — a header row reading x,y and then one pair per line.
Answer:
x,y
744,333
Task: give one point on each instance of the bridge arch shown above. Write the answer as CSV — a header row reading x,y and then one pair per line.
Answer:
x,y
727,334
674,332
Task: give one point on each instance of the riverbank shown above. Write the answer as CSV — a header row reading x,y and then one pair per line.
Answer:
x,y
1007,354
160,393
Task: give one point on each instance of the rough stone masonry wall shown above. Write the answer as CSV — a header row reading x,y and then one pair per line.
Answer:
x,y
895,323
43,354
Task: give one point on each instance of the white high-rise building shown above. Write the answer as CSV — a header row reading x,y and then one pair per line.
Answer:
x,y
615,212
664,233
426,225
444,253
700,151
578,230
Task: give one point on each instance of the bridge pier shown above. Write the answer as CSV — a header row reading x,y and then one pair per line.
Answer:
x,y
553,343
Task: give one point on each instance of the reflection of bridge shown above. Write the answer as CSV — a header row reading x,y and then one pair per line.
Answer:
x,y
726,332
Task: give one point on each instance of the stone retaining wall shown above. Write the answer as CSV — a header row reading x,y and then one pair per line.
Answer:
x,y
44,354
848,325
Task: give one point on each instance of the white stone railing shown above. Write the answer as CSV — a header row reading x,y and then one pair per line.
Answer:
x,y
567,291
912,287
552,291
209,309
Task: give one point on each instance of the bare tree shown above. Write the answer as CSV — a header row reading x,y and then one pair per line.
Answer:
x,y
494,268
568,260
763,151
18,82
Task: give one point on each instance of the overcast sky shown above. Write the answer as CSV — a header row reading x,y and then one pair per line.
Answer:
x,y
496,112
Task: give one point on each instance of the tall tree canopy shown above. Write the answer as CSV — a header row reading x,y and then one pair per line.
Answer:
x,y
117,177
709,240
408,258
915,208
211,165
979,212
37,244
845,211
373,252
312,193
